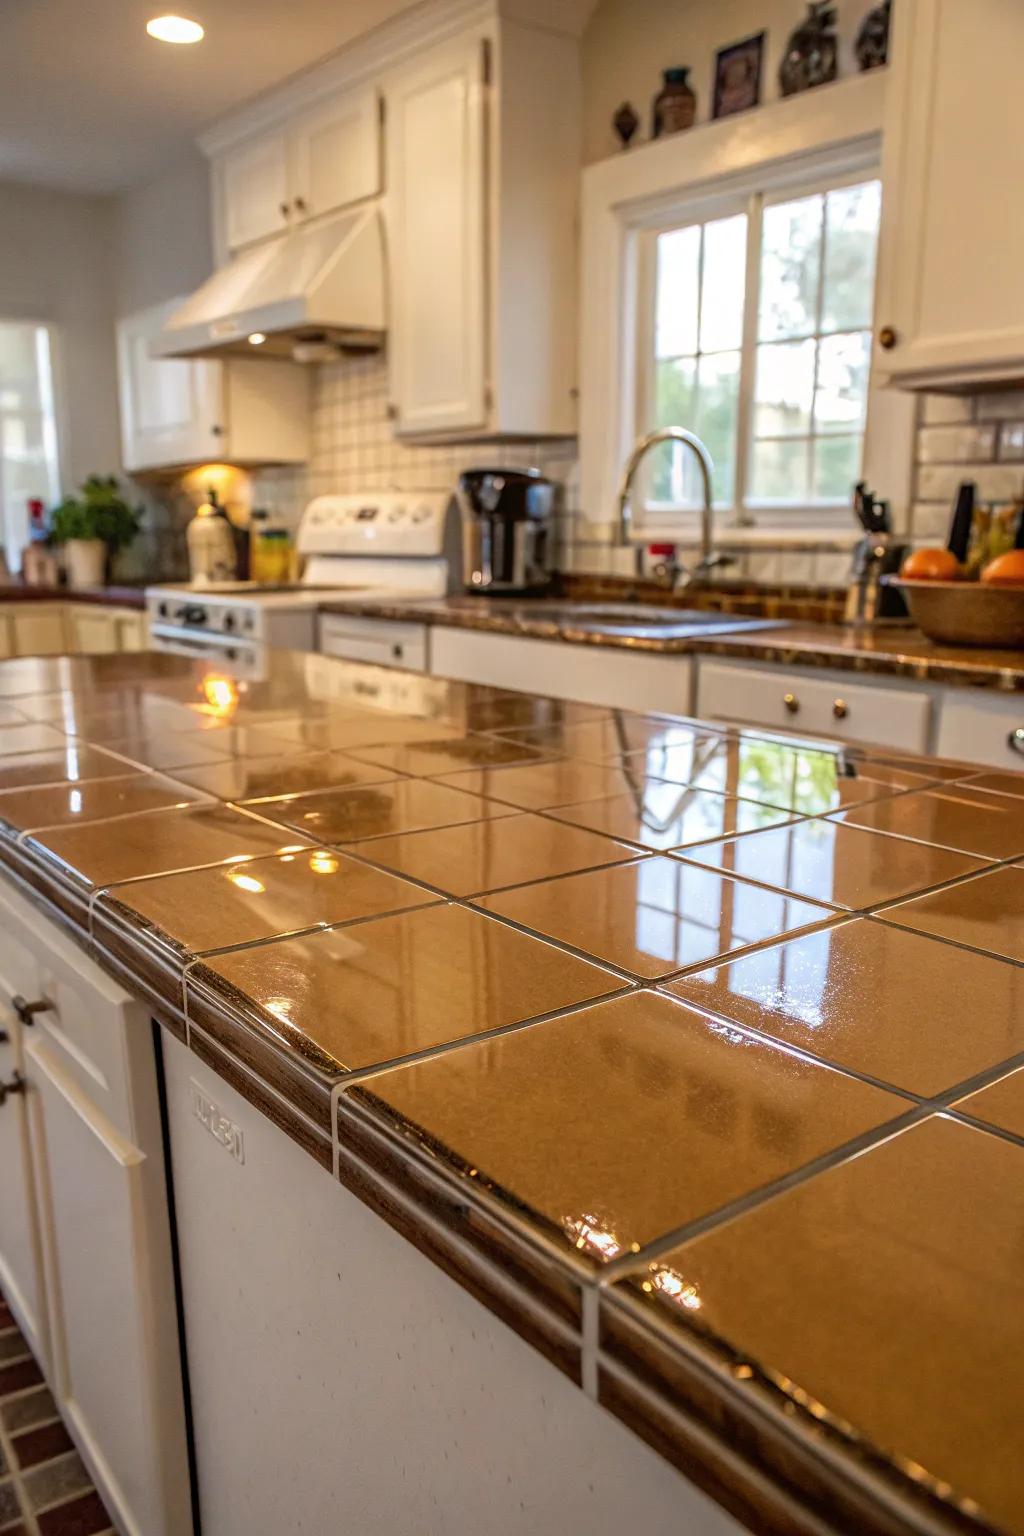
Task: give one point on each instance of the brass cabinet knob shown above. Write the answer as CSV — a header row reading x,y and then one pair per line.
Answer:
x,y
284,207
887,337
300,205
840,709
791,702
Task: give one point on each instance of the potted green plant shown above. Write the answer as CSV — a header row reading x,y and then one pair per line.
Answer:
x,y
94,525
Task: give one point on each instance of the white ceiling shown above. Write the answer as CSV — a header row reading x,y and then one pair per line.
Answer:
x,y
90,103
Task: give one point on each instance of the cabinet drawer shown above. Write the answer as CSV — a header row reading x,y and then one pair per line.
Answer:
x,y
983,729
389,643
817,703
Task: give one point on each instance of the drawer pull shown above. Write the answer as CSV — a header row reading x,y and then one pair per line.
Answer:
x,y
791,702
284,207
27,1011
1015,740
887,337
840,709
15,1084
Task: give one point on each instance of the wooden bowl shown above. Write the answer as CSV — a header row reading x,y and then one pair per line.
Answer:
x,y
965,612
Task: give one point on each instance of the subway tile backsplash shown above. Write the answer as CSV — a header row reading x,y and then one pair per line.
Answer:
x,y
966,437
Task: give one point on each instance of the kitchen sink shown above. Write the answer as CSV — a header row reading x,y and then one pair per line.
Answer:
x,y
641,619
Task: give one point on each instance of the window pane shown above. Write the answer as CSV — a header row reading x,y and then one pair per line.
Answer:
x,y
677,303
28,455
836,467
784,392
779,471
790,269
675,406
841,396
851,218
725,262
703,395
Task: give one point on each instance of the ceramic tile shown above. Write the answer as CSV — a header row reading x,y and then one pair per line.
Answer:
x,y
484,856
452,755
30,738
523,711
257,778
411,983
241,902
955,816
9,715
879,1000
159,842
618,1124
167,752
655,916
987,912
541,786
888,1292
60,805
60,765
844,866
1001,1103
1000,783
662,816
369,729
619,735
377,810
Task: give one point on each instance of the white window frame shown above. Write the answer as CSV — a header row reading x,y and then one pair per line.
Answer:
x,y
13,536
822,136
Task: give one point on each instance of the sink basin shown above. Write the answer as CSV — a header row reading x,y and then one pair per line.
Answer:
x,y
641,619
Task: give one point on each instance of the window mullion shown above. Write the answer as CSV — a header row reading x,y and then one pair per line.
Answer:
x,y
748,359
812,438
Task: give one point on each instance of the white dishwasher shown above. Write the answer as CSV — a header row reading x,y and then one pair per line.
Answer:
x,y
388,642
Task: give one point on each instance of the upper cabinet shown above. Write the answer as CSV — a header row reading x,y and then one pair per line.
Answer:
x,y
951,285
193,410
322,160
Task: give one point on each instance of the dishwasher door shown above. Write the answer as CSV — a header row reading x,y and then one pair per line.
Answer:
x,y
388,642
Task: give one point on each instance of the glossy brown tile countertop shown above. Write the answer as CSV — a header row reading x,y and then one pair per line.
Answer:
x,y
114,596
696,1053
892,650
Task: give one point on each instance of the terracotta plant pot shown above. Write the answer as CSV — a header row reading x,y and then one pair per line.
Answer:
x,y
86,562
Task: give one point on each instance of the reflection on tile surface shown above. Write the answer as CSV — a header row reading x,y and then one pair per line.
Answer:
x,y
411,983
542,785
168,752
956,816
662,816
618,735
1000,783
506,712
236,903
844,866
620,1123
69,804
987,912
1001,1103
159,842
370,728
402,805
60,765
883,1001
451,755
654,916
889,1291
253,778
29,738
487,855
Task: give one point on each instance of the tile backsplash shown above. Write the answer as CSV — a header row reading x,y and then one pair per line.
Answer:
x,y
966,437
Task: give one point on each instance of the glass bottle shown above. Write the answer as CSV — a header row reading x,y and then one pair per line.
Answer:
x,y
675,105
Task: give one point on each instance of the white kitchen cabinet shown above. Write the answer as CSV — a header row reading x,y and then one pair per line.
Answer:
x,y
982,728
321,160
482,173
93,630
37,629
86,1141
951,289
819,703
189,411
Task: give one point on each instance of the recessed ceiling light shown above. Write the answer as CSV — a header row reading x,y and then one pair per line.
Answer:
x,y
257,339
174,29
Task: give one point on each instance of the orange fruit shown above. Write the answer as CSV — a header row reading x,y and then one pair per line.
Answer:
x,y
1005,570
932,565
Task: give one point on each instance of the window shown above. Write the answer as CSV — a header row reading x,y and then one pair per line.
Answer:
x,y
28,432
759,340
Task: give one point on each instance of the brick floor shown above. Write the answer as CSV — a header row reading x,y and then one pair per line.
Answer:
x,y
45,1489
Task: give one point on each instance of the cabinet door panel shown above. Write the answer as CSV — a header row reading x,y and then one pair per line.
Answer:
x,y
171,408
254,184
94,632
437,240
336,154
38,631
21,1254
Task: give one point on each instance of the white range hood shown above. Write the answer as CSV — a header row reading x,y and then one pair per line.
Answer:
x,y
310,292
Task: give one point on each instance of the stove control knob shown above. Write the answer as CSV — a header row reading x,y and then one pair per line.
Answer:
x,y
163,610
229,621
192,613
396,514
421,514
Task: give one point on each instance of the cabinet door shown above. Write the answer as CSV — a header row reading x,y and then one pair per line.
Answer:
x,y
93,631
335,154
6,635
21,1253
115,1353
950,284
38,630
131,631
171,409
254,189
437,240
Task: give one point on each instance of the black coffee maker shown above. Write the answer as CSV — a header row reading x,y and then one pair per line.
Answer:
x,y
507,530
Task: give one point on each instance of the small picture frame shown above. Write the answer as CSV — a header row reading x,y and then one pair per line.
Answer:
x,y
738,76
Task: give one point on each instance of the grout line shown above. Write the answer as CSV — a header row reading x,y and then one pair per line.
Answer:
x,y
878,915
590,1321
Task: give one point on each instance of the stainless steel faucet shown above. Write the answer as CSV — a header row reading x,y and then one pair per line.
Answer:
x,y
680,576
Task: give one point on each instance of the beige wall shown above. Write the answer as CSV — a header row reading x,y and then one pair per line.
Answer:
x,y
629,42
163,245
55,266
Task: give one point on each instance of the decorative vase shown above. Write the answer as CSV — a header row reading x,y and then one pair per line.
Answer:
x,y
811,56
872,45
86,562
625,122
675,105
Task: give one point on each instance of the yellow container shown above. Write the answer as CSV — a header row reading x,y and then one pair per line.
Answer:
x,y
271,555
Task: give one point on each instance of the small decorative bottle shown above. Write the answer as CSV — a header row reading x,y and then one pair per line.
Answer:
x,y
675,105
872,46
811,56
